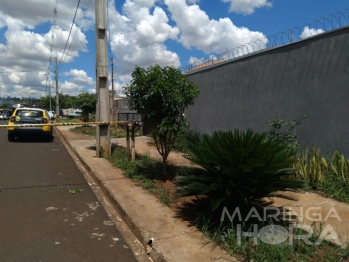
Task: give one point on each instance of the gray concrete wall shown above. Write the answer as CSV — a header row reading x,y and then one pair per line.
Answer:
x,y
307,77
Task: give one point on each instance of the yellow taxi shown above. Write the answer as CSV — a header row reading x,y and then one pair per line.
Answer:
x,y
27,116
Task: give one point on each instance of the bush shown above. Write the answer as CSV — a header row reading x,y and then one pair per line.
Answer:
x,y
329,177
311,168
283,130
238,167
184,139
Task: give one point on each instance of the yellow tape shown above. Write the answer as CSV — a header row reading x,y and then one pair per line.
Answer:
x,y
64,124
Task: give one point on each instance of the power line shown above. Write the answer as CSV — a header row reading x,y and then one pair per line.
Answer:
x,y
84,9
71,27
22,71
21,84
109,45
54,20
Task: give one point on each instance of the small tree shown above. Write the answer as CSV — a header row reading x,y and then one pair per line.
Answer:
x,y
160,95
284,131
87,103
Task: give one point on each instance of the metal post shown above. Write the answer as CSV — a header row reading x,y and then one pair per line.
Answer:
x,y
57,94
102,91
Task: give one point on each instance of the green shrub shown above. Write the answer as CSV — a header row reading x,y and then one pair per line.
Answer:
x,y
185,138
340,166
311,167
284,131
329,177
334,187
238,167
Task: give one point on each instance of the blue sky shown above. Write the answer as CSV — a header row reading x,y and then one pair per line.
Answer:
x,y
141,32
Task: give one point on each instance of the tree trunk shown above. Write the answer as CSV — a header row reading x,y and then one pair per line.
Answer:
x,y
164,172
133,146
128,147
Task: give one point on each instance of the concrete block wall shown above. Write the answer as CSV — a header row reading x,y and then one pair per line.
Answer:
x,y
309,77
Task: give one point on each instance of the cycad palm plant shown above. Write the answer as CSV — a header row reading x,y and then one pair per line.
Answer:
x,y
238,167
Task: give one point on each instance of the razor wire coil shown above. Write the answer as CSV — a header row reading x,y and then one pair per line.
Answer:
x,y
323,24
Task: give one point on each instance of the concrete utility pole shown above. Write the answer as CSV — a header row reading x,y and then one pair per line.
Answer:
x,y
57,93
102,91
112,90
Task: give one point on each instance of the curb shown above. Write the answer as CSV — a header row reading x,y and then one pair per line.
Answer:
x,y
139,232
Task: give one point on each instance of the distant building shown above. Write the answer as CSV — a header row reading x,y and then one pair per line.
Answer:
x,y
120,110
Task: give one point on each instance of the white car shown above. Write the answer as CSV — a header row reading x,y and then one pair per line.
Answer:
x,y
51,115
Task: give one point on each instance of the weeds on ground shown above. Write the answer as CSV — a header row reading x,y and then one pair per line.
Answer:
x,y
67,120
146,172
115,131
250,247
334,187
328,176
184,139
85,130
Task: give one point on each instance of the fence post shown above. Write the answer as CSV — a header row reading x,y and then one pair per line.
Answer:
x,y
133,144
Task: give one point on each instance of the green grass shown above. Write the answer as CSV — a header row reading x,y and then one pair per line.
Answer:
x,y
165,196
145,172
115,132
67,120
86,130
225,235
334,187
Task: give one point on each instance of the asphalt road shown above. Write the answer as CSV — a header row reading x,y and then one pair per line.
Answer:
x,y
40,219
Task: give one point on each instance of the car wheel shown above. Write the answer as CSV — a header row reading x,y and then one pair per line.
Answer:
x,y
11,137
49,137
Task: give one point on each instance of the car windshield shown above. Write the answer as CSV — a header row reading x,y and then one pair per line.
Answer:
x,y
29,113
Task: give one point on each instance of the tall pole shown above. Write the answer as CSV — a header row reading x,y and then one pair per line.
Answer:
x,y
103,147
57,94
112,88
49,86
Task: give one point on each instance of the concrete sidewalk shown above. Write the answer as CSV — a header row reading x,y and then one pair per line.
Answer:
x,y
175,240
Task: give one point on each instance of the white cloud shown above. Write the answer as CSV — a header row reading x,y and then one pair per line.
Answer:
x,y
307,32
246,7
193,1
145,3
70,88
211,35
194,59
80,77
91,90
137,38
25,48
35,12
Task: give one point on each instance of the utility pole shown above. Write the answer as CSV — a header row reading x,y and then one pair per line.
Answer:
x,y
102,91
49,84
112,88
57,94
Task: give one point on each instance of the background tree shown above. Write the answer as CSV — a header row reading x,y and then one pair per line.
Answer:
x,y
4,105
87,103
160,96
45,100
70,101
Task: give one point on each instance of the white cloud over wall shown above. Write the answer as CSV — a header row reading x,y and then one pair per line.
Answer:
x,y
246,7
307,32
203,33
139,35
